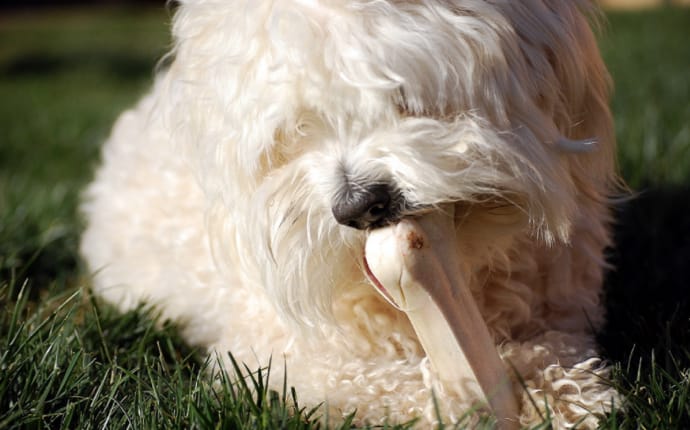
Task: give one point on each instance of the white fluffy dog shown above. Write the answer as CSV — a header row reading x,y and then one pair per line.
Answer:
x,y
238,195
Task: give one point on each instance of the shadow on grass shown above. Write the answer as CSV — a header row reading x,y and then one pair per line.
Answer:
x,y
124,66
647,296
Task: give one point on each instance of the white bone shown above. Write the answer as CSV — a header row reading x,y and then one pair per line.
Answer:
x,y
414,265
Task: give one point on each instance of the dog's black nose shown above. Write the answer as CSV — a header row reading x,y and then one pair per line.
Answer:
x,y
363,207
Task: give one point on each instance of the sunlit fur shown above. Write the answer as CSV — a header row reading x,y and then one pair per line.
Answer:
x,y
214,197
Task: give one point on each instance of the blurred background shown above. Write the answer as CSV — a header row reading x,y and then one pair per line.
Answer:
x,y
67,68
640,4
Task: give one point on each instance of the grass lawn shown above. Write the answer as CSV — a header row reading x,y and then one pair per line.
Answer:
x,y
68,362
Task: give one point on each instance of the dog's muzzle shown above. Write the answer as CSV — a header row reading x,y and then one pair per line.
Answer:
x,y
365,206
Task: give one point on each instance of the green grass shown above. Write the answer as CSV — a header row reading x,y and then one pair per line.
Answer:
x,y
72,364
68,362
650,62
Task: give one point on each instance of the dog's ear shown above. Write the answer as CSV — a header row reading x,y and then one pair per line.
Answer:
x,y
580,107
573,96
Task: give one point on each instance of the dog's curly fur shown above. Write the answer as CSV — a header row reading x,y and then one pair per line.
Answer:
x,y
214,199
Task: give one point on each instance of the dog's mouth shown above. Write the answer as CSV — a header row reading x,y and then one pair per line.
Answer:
x,y
414,266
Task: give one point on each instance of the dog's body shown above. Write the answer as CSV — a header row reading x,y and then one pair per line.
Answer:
x,y
218,198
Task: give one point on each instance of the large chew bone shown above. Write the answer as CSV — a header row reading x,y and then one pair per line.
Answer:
x,y
414,265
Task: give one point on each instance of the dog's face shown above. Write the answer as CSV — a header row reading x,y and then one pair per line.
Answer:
x,y
323,120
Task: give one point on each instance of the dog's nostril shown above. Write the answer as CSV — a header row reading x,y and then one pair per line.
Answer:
x,y
363,207
378,209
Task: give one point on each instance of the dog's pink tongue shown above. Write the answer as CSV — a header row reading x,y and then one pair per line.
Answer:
x,y
414,265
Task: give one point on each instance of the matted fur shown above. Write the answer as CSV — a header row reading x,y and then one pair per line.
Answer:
x,y
214,198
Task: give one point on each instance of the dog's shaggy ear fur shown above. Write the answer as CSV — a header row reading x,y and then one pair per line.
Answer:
x,y
215,197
